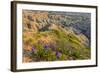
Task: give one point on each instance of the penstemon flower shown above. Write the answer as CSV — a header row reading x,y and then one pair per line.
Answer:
x,y
33,49
46,47
57,54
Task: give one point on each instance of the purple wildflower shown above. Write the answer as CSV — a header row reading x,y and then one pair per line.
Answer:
x,y
33,48
46,46
57,54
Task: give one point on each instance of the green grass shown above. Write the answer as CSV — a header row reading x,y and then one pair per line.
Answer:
x,y
68,45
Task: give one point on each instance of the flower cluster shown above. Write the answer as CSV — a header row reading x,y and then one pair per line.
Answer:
x,y
46,47
57,54
33,49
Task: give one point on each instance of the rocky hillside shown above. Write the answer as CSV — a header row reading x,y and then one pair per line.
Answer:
x,y
51,36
